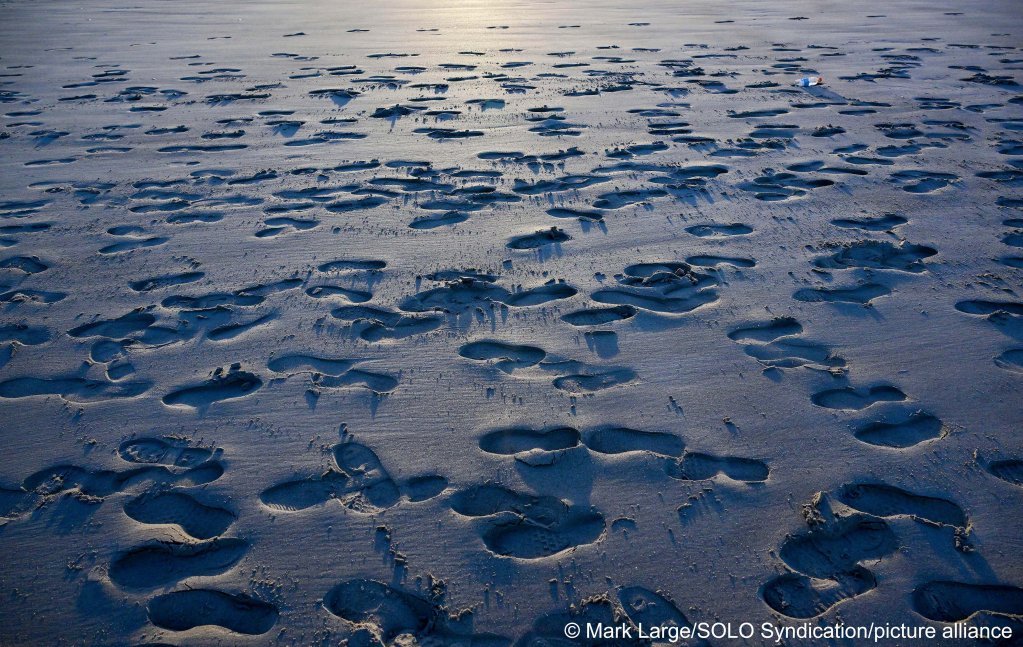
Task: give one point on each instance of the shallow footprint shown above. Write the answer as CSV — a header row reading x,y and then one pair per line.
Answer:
x,y
649,609
794,352
945,601
767,331
798,596
595,381
389,611
292,496
72,389
1011,360
379,383
861,294
836,548
715,230
882,255
599,316
538,239
161,452
423,488
538,526
1009,470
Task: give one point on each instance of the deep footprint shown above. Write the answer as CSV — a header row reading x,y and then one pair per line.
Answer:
x,y
176,508
521,439
154,565
220,386
914,429
888,501
851,399
620,440
184,610
507,357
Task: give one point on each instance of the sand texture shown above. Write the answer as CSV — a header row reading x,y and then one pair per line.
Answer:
x,y
448,323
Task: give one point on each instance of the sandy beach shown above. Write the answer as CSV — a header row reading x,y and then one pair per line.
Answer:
x,y
459,323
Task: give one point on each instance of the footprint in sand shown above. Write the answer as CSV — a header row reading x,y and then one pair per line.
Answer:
x,y
190,608
527,526
357,480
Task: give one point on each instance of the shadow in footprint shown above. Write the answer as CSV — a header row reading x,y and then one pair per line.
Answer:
x,y
1009,470
161,563
695,466
504,356
621,440
222,385
184,610
183,510
852,399
900,430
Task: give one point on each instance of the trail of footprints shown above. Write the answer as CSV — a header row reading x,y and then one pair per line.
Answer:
x,y
778,344
571,376
207,551
825,564
527,526
164,488
534,446
383,614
